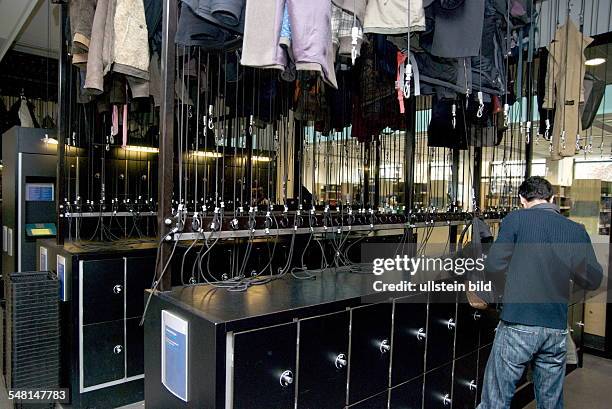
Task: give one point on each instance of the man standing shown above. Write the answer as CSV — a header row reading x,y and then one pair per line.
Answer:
x,y
540,251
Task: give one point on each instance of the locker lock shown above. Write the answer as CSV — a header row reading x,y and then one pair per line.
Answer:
x,y
451,324
118,349
421,335
118,289
286,378
384,346
446,400
340,361
472,385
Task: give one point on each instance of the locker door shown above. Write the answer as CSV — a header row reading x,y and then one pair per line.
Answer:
x,y
483,357
576,316
139,274
322,361
103,353
102,283
409,338
375,402
438,388
465,382
468,329
370,350
135,347
264,368
408,395
441,324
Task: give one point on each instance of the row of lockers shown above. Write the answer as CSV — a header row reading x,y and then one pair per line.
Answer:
x,y
389,355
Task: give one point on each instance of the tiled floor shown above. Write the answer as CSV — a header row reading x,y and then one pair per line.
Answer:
x,y
584,388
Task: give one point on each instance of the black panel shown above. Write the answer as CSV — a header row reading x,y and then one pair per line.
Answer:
x,y
139,275
103,353
102,298
483,357
410,316
369,367
438,385
468,329
376,402
322,381
440,331
465,382
408,395
260,358
135,348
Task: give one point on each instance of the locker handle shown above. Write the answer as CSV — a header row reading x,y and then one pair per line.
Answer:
x,y
385,346
421,335
476,316
286,378
451,324
472,385
118,349
118,289
340,361
580,324
446,400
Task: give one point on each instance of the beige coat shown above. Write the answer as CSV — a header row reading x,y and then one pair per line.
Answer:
x,y
119,43
391,16
565,87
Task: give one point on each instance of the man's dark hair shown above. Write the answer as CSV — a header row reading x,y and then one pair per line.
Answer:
x,y
536,187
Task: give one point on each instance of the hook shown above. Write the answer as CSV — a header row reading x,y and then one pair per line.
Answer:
x,y
480,105
454,109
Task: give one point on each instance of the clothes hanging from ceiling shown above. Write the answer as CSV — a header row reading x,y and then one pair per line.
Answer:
x,y
394,16
564,87
81,14
120,44
458,28
311,36
194,30
342,27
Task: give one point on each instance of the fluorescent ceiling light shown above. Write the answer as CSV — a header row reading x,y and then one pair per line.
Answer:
x,y
144,149
595,61
207,154
52,141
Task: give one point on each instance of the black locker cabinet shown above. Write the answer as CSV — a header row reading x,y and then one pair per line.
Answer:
x,y
110,350
322,361
408,395
409,338
441,325
262,368
465,381
370,350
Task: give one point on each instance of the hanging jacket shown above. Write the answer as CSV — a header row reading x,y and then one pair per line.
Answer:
x,y
564,87
119,44
81,13
391,16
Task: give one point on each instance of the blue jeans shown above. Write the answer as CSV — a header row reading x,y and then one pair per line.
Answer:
x,y
515,347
